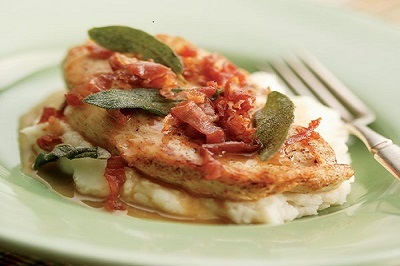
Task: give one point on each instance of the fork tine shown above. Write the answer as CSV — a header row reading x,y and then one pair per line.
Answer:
x,y
293,72
337,87
290,78
318,87
305,75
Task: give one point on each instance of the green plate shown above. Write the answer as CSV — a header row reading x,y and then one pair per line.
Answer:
x,y
363,52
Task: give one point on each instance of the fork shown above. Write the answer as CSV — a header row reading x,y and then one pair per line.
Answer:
x,y
305,75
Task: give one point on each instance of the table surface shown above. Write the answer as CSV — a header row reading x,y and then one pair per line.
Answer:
x,y
387,10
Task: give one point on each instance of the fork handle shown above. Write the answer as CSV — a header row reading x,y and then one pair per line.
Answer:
x,y
383,149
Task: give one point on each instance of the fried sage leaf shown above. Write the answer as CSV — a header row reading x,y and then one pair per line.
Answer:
x,y
70,152
273,122
142,98
129,40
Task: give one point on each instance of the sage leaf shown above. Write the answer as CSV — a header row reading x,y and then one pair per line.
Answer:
x,y
129,40
272,123
70,152
142,98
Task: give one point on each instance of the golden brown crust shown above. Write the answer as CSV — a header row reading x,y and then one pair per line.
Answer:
x,y
173,161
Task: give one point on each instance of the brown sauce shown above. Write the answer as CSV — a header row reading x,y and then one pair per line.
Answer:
x,y
63,184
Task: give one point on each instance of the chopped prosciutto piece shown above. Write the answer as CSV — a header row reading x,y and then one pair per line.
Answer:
x,y
221,70
48,142
231,147
93,85
200,94
212,67
98,52
187,51
211,167
192,114
233,110
304,133
145,74
115,176
49,112
73,99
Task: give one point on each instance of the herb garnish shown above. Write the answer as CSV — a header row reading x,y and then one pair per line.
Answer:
x,y
129,40
273,122
142,98
70,152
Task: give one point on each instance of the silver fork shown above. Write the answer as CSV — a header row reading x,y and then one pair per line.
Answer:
x,y
305,75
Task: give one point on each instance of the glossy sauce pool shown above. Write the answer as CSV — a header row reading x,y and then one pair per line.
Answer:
x,y
63,184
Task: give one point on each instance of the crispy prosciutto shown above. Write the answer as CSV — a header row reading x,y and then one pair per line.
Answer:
x,y
115,176
48,142
196,117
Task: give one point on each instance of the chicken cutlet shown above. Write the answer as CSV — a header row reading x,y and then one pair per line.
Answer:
x,y
158,113
171,150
